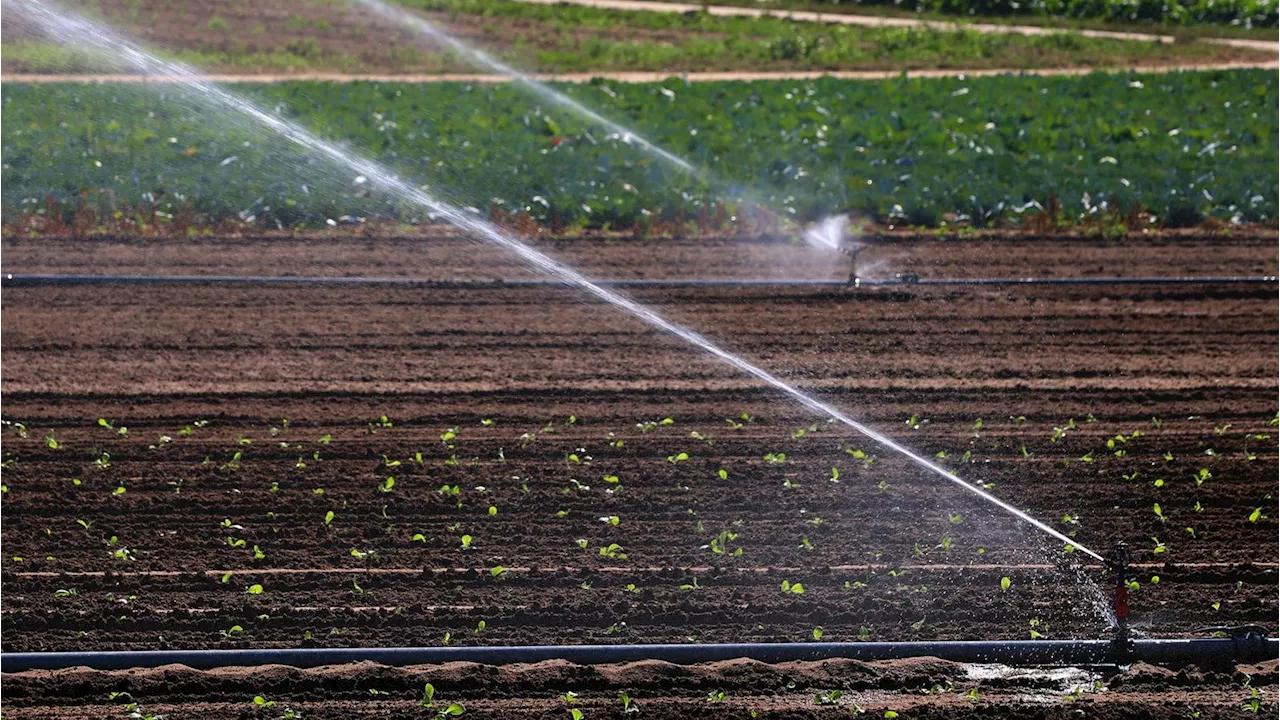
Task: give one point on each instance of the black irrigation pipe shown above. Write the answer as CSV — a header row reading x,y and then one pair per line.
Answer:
x,y
1245,648
28,280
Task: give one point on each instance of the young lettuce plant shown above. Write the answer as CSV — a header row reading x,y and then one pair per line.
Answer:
x,y
793,588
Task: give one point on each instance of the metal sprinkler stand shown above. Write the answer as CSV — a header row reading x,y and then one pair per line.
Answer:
x,y
1122,647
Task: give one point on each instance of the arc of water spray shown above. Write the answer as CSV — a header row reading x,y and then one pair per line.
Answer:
x,y
828,233
480,57
68,26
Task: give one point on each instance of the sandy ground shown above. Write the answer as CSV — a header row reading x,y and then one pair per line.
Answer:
x,y
636,77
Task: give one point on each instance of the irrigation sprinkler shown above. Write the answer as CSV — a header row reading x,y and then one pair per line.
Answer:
x,y
1121,643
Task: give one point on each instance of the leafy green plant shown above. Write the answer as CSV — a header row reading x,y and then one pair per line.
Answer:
x,y
428,701
793,588
831,697
719,544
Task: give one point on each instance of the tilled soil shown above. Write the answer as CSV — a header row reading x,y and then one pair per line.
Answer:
x,y
527,422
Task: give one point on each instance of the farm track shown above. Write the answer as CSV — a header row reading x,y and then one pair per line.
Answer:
x,y
628,76
333,360
845,18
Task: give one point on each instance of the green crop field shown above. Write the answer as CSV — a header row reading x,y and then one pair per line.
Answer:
x,y
214,37
1234,13
1182,146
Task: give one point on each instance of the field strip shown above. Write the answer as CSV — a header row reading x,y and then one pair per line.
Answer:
x,y
879,21
21,279
605,569
627,77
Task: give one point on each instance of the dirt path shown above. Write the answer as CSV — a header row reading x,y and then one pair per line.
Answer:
x,y
879,21
630,77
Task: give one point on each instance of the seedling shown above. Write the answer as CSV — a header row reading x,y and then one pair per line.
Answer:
x,y
328,518
716,696
628,706
775,458
613,551
793,588
1158,511
111,425
1005,583
692,586
428,701
678,458
466,542
1254,703
723,474
831,697
498,572
719,545
817,633
254,589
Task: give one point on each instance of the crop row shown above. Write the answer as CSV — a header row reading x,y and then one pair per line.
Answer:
x,y
486,478
1182,146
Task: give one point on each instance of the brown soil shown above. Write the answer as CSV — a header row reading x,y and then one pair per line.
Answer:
x,y
879,564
